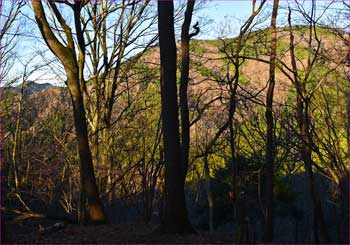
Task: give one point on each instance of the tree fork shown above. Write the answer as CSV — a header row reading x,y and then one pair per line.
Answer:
x,y
91,208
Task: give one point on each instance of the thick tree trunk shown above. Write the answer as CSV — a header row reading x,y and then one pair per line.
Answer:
x,y
270,147
90,206
176,219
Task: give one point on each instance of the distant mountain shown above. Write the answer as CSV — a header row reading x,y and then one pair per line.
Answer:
x,y
30,87
36,87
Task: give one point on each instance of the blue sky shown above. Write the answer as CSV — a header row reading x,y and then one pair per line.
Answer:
x,y
237,11
214,17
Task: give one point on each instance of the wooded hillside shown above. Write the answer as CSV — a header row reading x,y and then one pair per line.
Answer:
x,y
241,139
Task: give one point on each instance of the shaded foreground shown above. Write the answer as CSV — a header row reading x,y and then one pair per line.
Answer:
x,y
28,232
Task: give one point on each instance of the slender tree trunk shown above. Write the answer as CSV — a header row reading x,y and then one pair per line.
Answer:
x,y
345,182
185,67
232,110
105,161
239,212
237,203
347,75
345,224
176,218
95,129
320,230
348,115
319,226
17,138
270,146
209,193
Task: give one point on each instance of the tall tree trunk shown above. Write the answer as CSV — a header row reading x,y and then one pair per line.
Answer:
x,y
105,161
270,146
320,230
347,75
176,218
90,207
185,67
303,102
17,138
348,112
345,182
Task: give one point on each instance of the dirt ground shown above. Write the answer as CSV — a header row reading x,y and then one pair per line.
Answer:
x,y
27,232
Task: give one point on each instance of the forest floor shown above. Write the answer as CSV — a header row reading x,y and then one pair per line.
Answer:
x,y
27,232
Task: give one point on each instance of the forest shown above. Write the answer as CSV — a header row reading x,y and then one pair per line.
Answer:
x,y
162,122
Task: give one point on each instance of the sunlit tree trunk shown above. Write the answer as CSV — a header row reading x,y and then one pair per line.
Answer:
x,y
17,137
90,206
91,209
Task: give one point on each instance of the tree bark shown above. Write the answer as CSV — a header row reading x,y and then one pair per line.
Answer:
x,y
17,138
90,207
176,219
90,203
270,146
345,182
347,76
185,67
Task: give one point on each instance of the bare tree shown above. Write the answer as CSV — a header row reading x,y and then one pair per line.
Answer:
x,y
90,207
9,32
303,118
270,148
112,64
232,52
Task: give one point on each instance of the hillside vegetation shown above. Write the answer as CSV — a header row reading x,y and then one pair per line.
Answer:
x,y
225,181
